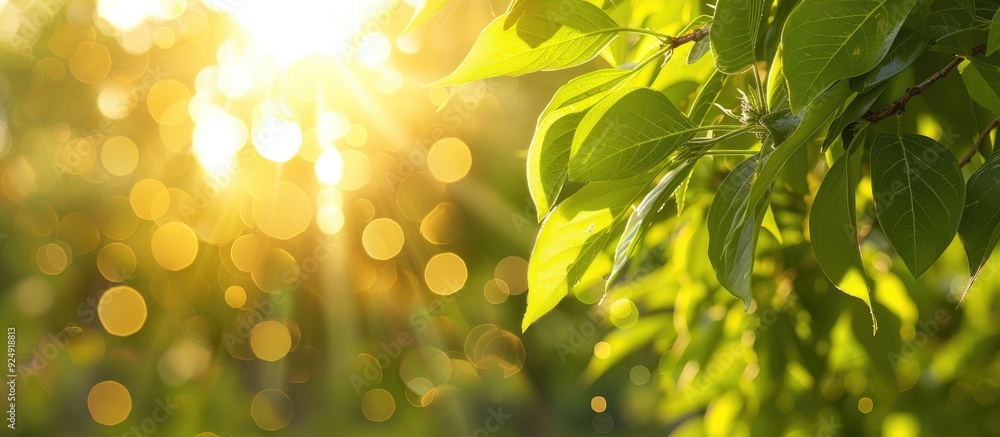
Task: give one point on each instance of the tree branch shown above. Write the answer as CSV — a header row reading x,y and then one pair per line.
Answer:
x,y
899,105
979,142
695,36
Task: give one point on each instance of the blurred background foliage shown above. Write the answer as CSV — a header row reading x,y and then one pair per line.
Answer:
x,y
320,245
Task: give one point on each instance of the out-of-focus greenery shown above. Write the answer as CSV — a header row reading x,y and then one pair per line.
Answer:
x,y
129,130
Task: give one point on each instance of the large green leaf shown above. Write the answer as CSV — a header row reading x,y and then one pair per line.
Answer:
x,y
638,222
907,47
846,122
818,114
548,154
919,194
548,35
571,237
825,41
834,230
982,79
734,34
980,227
628,133
733,227
993,44
426,10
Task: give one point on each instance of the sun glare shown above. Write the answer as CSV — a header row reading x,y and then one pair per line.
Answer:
x,y
292,30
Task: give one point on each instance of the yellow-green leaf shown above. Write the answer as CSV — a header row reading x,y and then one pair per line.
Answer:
x,y
549,35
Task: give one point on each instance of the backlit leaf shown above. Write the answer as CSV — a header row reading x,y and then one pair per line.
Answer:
x,y
549,35
630,132
826,41
571,237
734,34
919,195
834,230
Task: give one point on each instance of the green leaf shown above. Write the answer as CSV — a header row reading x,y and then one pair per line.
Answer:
x,y
846,122
777,87
734,34
571,237
907,47
548,154
426,10
549,35
993,43
834,231
825,41
514,12
628,133
982,79
706,98
919,193
818,114
733,227
638,221
980,226
701,47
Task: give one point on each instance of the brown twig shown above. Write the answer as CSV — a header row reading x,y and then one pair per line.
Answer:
x,y
899,105
695,36
979,142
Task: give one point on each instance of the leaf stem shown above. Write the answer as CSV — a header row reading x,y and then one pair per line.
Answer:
x,y
897,107
979,142
661,36
695,36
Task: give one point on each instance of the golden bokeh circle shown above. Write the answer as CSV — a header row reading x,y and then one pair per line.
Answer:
x,y
146,201
283,212
53,258
271,409
270,340
383,239
330,219
513,270
496,291
598,404
109,403
446,273
602,350
168,102
236,296
246,252
119,156
865,405
276,272
116,262
357,170
378,405
174,246
91,62
449,160
122,311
